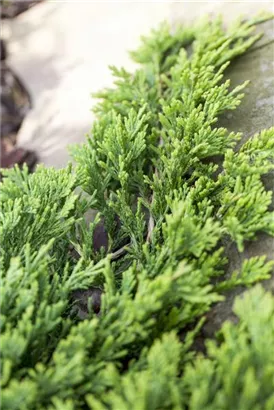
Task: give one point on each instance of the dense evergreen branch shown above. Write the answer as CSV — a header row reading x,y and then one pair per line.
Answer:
x,y
170,190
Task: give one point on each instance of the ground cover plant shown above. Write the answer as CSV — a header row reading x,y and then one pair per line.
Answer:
x,y
172,190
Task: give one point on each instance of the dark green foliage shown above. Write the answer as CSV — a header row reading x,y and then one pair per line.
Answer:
x,y
35,208
239,372
172,192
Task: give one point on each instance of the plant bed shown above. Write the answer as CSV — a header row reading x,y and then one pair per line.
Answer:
x,y
15,104
121,326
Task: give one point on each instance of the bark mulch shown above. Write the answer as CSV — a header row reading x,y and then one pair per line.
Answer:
x,y
15,104
15,100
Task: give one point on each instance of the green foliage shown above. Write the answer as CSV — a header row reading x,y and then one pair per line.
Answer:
x,y
35,208
173,194
239,372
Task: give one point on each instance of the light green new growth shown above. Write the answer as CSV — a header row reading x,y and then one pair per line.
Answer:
x,y
173,193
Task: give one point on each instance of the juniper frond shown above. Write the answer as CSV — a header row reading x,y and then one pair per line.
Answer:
x,y
172,192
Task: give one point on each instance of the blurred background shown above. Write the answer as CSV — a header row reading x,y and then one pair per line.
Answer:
x,y
54,54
